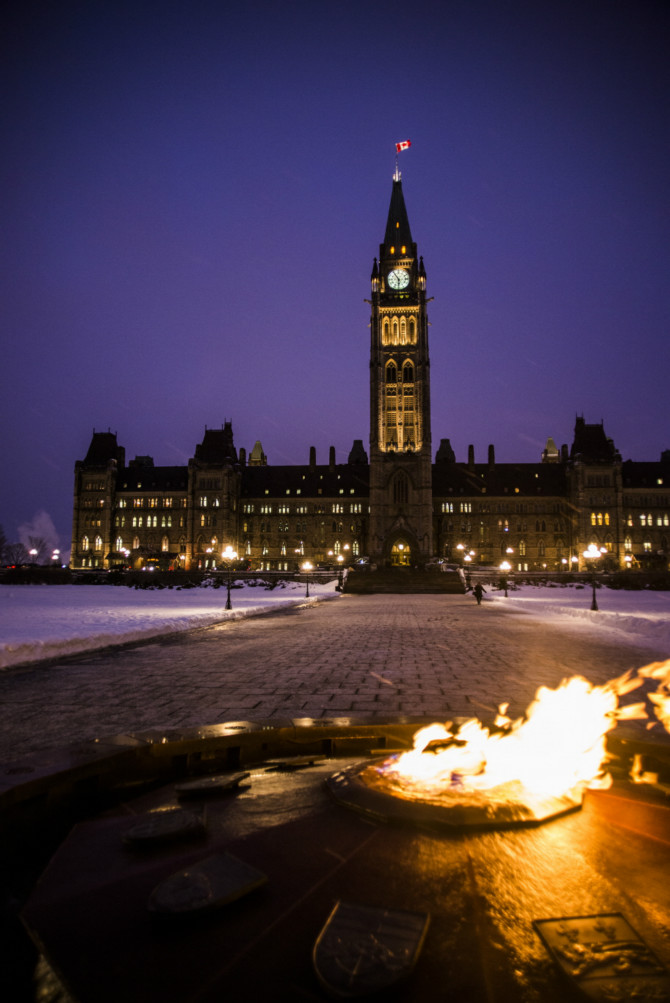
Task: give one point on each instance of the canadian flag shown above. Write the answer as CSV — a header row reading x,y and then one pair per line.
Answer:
x,y
405,145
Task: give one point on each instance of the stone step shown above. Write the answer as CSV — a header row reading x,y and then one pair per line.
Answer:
x,y
403,580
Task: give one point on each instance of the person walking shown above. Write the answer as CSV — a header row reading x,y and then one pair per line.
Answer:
x,y
478,591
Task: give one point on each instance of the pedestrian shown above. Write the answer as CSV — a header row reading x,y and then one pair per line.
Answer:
x,y
478,591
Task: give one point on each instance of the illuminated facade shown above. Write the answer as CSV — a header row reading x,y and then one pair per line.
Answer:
x,y
399,506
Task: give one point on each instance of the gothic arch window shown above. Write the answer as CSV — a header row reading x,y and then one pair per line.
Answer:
x,y
97,543
84,543
118,544
136,543
394,327
408,373
403,331
412,331
385,331
165,544
391,373
400,489
540,548
522,548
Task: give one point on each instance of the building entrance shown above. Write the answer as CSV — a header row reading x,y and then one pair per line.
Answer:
x,y
401,554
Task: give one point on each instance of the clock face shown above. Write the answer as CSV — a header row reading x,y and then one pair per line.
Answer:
x,y
398,278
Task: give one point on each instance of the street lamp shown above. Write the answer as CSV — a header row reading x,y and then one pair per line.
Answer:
x,y
340,577
592,554
307,567
33,554
228,556
505,567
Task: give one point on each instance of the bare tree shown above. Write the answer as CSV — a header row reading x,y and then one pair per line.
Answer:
x,y
38,548
16,553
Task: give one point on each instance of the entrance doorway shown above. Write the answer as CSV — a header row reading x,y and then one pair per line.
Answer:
x,y
401,554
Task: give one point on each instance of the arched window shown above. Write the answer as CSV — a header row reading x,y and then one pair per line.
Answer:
x,y
540,548
400,489
408,373
391,373
522,548
165,544
97,543
84,543
403,331
136,543
385,331
394,328
412,330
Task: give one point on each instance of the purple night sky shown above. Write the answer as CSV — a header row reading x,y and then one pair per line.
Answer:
x,y
193,194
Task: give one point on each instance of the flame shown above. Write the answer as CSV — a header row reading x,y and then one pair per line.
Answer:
x,y
661,698
559,745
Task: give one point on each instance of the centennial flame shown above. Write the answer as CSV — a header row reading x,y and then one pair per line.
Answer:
x,y
557,747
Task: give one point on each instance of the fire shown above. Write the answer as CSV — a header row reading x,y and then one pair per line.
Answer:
x,y
558,746
661,698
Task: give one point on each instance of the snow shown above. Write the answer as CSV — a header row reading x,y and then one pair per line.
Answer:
x,y
640,617
46,621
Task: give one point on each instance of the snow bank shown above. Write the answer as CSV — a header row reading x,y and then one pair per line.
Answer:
x,y
47,621
643,616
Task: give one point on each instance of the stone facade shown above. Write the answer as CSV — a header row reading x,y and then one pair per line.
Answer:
x,y
400,505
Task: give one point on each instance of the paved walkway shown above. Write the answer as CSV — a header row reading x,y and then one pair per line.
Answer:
x,y
432,656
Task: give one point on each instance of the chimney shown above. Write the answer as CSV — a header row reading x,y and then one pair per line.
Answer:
x,y
243,456
492,455
331,459
312,457
471,456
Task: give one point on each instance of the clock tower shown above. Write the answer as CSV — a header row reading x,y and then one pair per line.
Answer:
x,y
400,445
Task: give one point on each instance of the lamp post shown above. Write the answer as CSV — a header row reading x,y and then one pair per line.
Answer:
x,y
505,567
307,567
228,556
340,577
33,554
591,555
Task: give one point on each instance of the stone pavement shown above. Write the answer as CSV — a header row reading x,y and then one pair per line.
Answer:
x,y
379,656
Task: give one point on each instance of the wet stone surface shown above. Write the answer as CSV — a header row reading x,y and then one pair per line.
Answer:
x,y
432,656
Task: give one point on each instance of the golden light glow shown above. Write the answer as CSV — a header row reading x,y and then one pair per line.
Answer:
x,y
557,747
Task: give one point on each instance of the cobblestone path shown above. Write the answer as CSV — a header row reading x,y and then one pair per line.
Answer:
x,y
432,656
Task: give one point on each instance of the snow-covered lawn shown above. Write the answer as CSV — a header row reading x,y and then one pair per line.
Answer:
x,y
638,615
46,621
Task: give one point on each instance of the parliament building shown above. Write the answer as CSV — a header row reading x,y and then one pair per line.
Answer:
x,y
397,503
